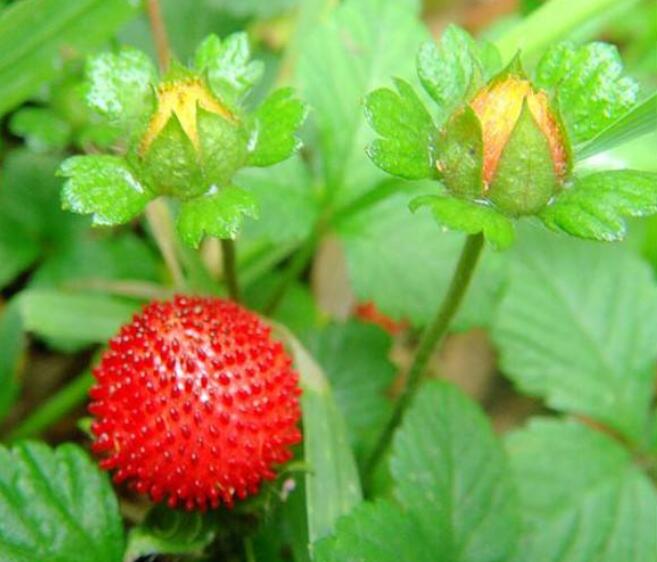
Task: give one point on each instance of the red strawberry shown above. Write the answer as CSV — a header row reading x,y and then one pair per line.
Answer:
x,y
195,402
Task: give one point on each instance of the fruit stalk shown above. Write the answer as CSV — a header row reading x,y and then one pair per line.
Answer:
x,y
431,337
230,269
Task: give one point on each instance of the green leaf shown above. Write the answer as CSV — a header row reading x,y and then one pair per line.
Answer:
x,y
227,65
468,217
405,146
103,186
42,128
274,131
577,328
56,506
12,343
354,357
167,531
403,263
596,205
638,121
378,532
451,472
80,318
590,88
354,51
219,213
583,498
120,87
287,192
36,35
332,483
452,69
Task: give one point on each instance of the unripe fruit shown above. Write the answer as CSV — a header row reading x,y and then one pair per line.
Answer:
x,y
195,402
506,147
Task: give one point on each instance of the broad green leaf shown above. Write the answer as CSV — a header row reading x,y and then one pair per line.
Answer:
x,y
452,69
468,217
228,67
220,213
356,50
56,506
577,328
379,532
257,8
451,472
355,359
12,344
168,531
583,498
42,128
638,121
589,85
287,194
406,132
596,205
332,484
80,318
120,87
403,263
36,36
103,186
274,129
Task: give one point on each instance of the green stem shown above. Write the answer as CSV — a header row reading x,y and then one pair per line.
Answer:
x,y
431,337
57,406
249,553
161,225
230,269
551,22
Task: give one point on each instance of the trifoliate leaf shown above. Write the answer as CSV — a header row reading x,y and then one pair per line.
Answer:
x,y
452,69
589,85
41,128
355,359
595,206
230,72
275,125
121,87
56,506
577,328
582,497
406,132
349,54
451,472
379,532
104,186
220,213
468,217
403,263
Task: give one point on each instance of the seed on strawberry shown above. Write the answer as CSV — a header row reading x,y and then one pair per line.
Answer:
x,y
195,403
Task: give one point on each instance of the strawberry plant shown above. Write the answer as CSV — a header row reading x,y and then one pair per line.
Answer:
x,y
321,281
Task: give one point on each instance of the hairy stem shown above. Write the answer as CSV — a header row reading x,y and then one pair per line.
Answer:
x,y
431,337
159,31
56,407
230,269
161,223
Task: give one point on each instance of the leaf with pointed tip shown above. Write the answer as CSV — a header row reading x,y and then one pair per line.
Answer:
x,y
583,498
454,67
468,217
56,506
120,87
227,63
218,214
103,186
276,123
589,85
406,131
638,121
595,206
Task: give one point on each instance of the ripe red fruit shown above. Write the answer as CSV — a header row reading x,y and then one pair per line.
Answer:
x,y
195,402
